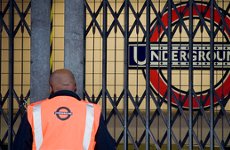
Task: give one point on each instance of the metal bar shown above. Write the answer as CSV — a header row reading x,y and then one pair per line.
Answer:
x,y
112,112
2,20
227,140
169,76
115,71
93,44
165,121
201,17
137,23
212,76
104,58
187,133
11,75
128,132
115,104
115,22
200,23
98,97
25,23
22,15
126,41
222,16
190,74
158,19
181,112
137,110
18,26
147,53
22,53
159,16
180,17
222,106
208,122
94,18
159,104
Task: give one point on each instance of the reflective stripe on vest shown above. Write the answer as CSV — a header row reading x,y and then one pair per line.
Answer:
x,y
88,126
37,126
89,120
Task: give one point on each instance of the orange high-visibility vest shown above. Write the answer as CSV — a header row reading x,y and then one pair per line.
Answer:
x,y
64,123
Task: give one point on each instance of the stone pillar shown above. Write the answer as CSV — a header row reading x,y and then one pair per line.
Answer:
x,y
74,41
40,49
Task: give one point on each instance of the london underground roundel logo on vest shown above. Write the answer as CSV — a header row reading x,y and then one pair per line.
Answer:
x,y
180,56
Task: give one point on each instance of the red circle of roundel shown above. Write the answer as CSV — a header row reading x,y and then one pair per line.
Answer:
x,y
157,80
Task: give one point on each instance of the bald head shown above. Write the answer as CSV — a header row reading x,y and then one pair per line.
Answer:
x,y
62,79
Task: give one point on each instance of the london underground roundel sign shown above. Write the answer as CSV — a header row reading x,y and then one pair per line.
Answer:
x,y
180,58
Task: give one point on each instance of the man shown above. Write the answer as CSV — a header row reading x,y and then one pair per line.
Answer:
x,y
63,121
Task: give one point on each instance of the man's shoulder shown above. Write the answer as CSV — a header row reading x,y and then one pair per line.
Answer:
x,y
90,103
38,102
31,105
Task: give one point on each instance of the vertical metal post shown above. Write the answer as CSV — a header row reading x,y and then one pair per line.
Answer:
x,y
169,76
147,53
74,41
11,75
22,52
104,58
126,74
40,49
212,76
190,74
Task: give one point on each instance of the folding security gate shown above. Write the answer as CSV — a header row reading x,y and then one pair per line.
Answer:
x,y
159,69
142,53
15,34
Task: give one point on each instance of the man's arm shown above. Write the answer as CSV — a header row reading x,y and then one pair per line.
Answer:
x,y
104,141
24,138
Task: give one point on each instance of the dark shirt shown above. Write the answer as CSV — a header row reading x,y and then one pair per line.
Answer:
x,y
24,137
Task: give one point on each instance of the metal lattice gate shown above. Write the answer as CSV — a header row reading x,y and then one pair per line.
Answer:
x,y
157,102
138,57
14,66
